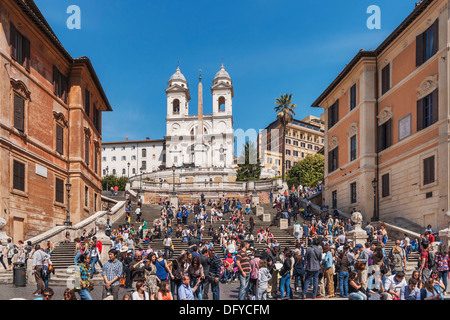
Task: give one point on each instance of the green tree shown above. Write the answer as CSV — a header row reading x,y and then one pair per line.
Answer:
x,y
310,169
285,114
248,162
112,181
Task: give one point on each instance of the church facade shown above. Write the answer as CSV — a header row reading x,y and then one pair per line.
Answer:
x,y
210,150
211,146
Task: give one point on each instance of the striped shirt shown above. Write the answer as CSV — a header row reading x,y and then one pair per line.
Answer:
x,y
112,270
244,260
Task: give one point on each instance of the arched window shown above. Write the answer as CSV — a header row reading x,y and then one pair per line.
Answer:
x,y
176,106
221,104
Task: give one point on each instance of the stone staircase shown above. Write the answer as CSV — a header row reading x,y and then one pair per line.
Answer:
x,y
64,254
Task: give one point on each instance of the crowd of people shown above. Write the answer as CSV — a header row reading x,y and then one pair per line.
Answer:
x,y
322,257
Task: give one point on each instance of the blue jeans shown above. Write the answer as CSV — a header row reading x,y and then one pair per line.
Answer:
x,y
357,296
343,284
311,276
215,289
199,290
84,294
244,285
75,261
443,275
285,282
93,262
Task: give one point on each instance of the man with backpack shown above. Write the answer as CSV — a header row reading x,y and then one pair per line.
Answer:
x,y
426,262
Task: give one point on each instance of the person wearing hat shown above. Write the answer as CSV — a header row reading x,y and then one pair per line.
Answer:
x,y
125,256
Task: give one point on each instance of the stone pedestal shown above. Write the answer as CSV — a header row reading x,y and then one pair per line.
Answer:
x,y
266,217
255,199
444,235
3,236
259,211
103,238
174,201
358,235
283,223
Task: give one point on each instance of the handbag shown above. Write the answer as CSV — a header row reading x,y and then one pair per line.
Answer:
x,y
122,280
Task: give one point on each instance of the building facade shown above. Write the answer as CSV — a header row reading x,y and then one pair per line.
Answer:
x,y
129,158
302,138
50,126
387,134
186,145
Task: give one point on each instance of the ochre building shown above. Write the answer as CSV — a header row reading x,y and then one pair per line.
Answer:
x,y
387,129
50,126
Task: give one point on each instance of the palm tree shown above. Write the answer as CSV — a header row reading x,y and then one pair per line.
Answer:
x,y
285,114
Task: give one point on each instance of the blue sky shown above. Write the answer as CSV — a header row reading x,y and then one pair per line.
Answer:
x,y
269,47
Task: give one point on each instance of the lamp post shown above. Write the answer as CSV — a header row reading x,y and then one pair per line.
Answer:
x,y
128,165
374,186
107,173
140,180
173,181
68,222
254,179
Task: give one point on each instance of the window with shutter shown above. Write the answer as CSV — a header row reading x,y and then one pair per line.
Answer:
x,y
353,148
385,79
353,198
385,135
18,175
87,102
333,114
19,113
427,110
95,161
59,190
59,139
20,47
385,185
353,97
427,44
86,150
428,170
334,199
333,160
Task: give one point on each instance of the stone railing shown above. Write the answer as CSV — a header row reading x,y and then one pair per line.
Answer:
x,y
206,186
57,234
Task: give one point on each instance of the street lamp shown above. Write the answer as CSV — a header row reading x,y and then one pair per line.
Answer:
x,y
254,179
140,180
68,222
107,174
374,186
128,165
173,181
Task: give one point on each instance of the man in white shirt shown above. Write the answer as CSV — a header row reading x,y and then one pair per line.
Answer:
x,y
394,284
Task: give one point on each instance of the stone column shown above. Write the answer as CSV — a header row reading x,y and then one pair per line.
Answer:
x,y
103,238
358,235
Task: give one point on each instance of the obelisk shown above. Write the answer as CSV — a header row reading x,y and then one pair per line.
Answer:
x,y
200,108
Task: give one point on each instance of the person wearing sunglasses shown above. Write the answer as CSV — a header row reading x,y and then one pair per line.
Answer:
x,y
46,295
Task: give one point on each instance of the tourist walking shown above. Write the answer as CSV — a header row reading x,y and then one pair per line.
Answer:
x,y
39,257
112,271
244,269
313,266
